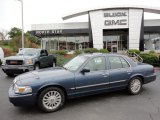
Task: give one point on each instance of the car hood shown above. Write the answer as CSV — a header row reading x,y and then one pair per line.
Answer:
x,y
44,76
18,57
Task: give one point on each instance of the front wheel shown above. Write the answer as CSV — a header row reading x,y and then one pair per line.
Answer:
x,y
135,86
10,74
36,67
51,99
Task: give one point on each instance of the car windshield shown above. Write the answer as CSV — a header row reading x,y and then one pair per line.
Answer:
x,y
75,63
28,52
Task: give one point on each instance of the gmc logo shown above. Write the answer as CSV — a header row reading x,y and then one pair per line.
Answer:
x,y
115,22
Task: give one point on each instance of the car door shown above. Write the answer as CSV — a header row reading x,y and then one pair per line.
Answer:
x,y
43,59
96,79
119,72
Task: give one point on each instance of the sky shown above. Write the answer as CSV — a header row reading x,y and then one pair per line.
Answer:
x,y
52,11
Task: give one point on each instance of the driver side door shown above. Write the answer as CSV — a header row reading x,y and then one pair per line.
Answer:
x,y
94,80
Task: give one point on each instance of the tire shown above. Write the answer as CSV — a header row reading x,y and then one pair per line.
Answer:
x,y
135,86
10,74
54,64
51,99
36,66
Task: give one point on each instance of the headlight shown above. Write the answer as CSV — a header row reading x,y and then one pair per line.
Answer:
x,y
22,89
29,61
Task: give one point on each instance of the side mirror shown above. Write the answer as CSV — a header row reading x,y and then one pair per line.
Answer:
x,y
84,70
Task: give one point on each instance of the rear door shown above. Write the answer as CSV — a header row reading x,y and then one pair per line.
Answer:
x,y
119,72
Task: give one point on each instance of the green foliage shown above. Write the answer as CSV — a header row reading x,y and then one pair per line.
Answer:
x,y
152,52
151,59
59,52
77,52
61,60
15,32
134,50
103,51
90,50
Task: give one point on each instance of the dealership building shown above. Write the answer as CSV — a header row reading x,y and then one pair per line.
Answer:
x,y
116,28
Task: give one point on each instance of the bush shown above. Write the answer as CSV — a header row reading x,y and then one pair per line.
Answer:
x,y
134,50
61,60
77,52
103,51
60,52
7,52
150,59
152,52
90,50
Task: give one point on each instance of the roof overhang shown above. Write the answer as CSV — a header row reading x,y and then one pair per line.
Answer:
x,y
145,8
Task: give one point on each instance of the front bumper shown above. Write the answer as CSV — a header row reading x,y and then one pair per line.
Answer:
x,y
20,99
17,69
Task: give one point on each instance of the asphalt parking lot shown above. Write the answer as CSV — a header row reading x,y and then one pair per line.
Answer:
x,y
110,106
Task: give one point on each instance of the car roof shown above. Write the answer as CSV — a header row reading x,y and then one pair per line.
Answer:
x,y
102,54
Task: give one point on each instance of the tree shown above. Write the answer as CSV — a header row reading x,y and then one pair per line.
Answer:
x,y
3,35
15,32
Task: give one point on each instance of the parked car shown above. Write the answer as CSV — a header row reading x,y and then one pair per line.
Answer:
x,y
1,55
27,59
83,75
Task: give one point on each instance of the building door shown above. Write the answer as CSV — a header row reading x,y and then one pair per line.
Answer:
x,y
115,40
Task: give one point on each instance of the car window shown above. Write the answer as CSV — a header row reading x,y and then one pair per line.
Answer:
x,y
115,62
96,64
43,53
124,63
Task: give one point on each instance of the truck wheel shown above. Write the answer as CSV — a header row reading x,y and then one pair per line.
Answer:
x,y
135,86
54,64
51,99
36,67
10,74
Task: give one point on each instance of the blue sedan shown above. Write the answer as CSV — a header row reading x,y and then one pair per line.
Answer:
x,y
83,75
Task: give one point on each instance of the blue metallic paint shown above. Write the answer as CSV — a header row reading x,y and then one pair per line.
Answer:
x,y
78,84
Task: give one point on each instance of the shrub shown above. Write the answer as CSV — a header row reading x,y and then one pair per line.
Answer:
x,y
7,52
59,52
152,52
134,50
150,59
90,50
61,60
103,51
77,52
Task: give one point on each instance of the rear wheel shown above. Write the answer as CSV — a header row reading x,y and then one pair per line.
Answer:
x,y
51,99
54,64
135,86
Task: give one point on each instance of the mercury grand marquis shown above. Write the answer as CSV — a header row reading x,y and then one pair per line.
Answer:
x,y
83,75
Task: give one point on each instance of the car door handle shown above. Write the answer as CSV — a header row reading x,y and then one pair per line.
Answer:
x,y
129,71
106,74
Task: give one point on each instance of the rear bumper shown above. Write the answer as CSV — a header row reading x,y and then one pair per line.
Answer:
x,y
17,69
150,78
21,100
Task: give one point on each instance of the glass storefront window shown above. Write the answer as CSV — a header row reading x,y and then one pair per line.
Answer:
x,y
69,43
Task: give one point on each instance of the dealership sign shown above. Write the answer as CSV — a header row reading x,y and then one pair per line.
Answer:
x,y
116,18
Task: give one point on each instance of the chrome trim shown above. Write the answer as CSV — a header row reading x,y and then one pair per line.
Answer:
x,y
117,81
89,86
97,84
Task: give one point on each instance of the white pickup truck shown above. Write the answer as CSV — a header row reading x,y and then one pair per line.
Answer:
x,y
1,55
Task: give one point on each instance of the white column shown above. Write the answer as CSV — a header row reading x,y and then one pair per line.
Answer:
x,y
135,21
97,31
